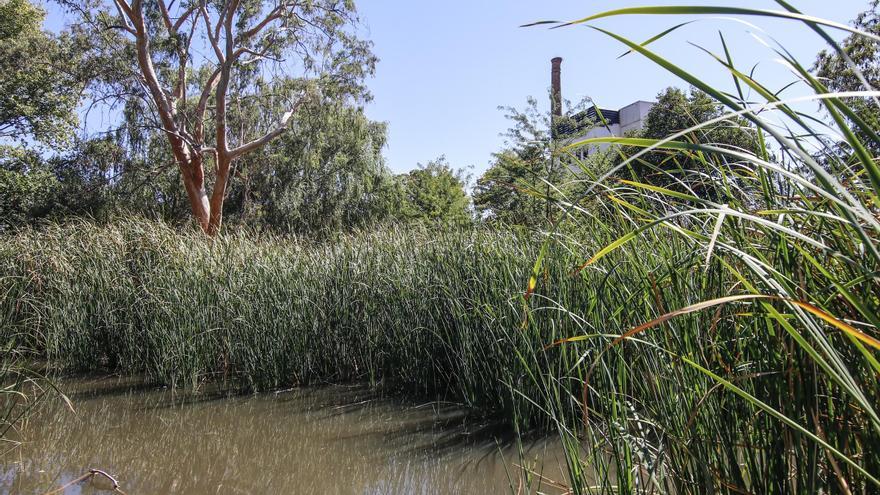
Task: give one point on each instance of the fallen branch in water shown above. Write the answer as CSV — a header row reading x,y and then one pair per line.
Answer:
x,y
88,476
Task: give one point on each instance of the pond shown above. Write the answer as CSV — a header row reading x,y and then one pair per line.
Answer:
x,y
325,440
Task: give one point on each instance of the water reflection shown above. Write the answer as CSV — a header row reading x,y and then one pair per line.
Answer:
x,y
328,440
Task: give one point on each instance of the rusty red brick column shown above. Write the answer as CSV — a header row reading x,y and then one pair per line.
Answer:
x,y
555,91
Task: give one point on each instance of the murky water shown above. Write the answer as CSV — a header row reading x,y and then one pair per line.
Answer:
x,y
325,440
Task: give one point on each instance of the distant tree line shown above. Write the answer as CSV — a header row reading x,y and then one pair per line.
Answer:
x,y
236,140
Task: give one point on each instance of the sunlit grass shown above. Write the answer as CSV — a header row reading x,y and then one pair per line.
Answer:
x,y
755,370
417,311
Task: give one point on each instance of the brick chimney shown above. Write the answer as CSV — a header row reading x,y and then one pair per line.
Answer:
x,y
555,91
556,87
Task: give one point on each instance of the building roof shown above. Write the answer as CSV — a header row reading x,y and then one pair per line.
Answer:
x,y
587,119
592,114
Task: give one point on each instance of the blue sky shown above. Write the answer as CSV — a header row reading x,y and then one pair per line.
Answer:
x,y
446,66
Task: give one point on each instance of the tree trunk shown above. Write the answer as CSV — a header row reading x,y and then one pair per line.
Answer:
x,y
192,172
218,195
198,202
207,210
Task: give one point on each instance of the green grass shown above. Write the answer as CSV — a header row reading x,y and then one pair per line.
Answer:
x,y
429,314
441,315
755,366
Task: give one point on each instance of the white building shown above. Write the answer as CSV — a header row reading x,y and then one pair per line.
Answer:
x,y
617,123
588,124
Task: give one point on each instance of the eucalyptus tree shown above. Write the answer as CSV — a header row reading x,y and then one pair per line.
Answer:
x,y
192,63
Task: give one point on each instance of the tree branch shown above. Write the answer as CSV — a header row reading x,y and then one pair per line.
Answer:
x,y
210,84
257,143
212,35
180,87
182,19
225,74
123,27
124,9
273,15
256,55
166,17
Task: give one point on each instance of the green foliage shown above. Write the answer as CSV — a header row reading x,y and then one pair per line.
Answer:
x,y
42,79
325,174
435,193
753,366
527,178
837,74
27,187
511,191
40,85
677,111
82,182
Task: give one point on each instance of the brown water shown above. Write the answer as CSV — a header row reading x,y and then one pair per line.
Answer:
x,y
326,440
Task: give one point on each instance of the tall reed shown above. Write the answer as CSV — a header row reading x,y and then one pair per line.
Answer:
x,y
739,353
429,314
